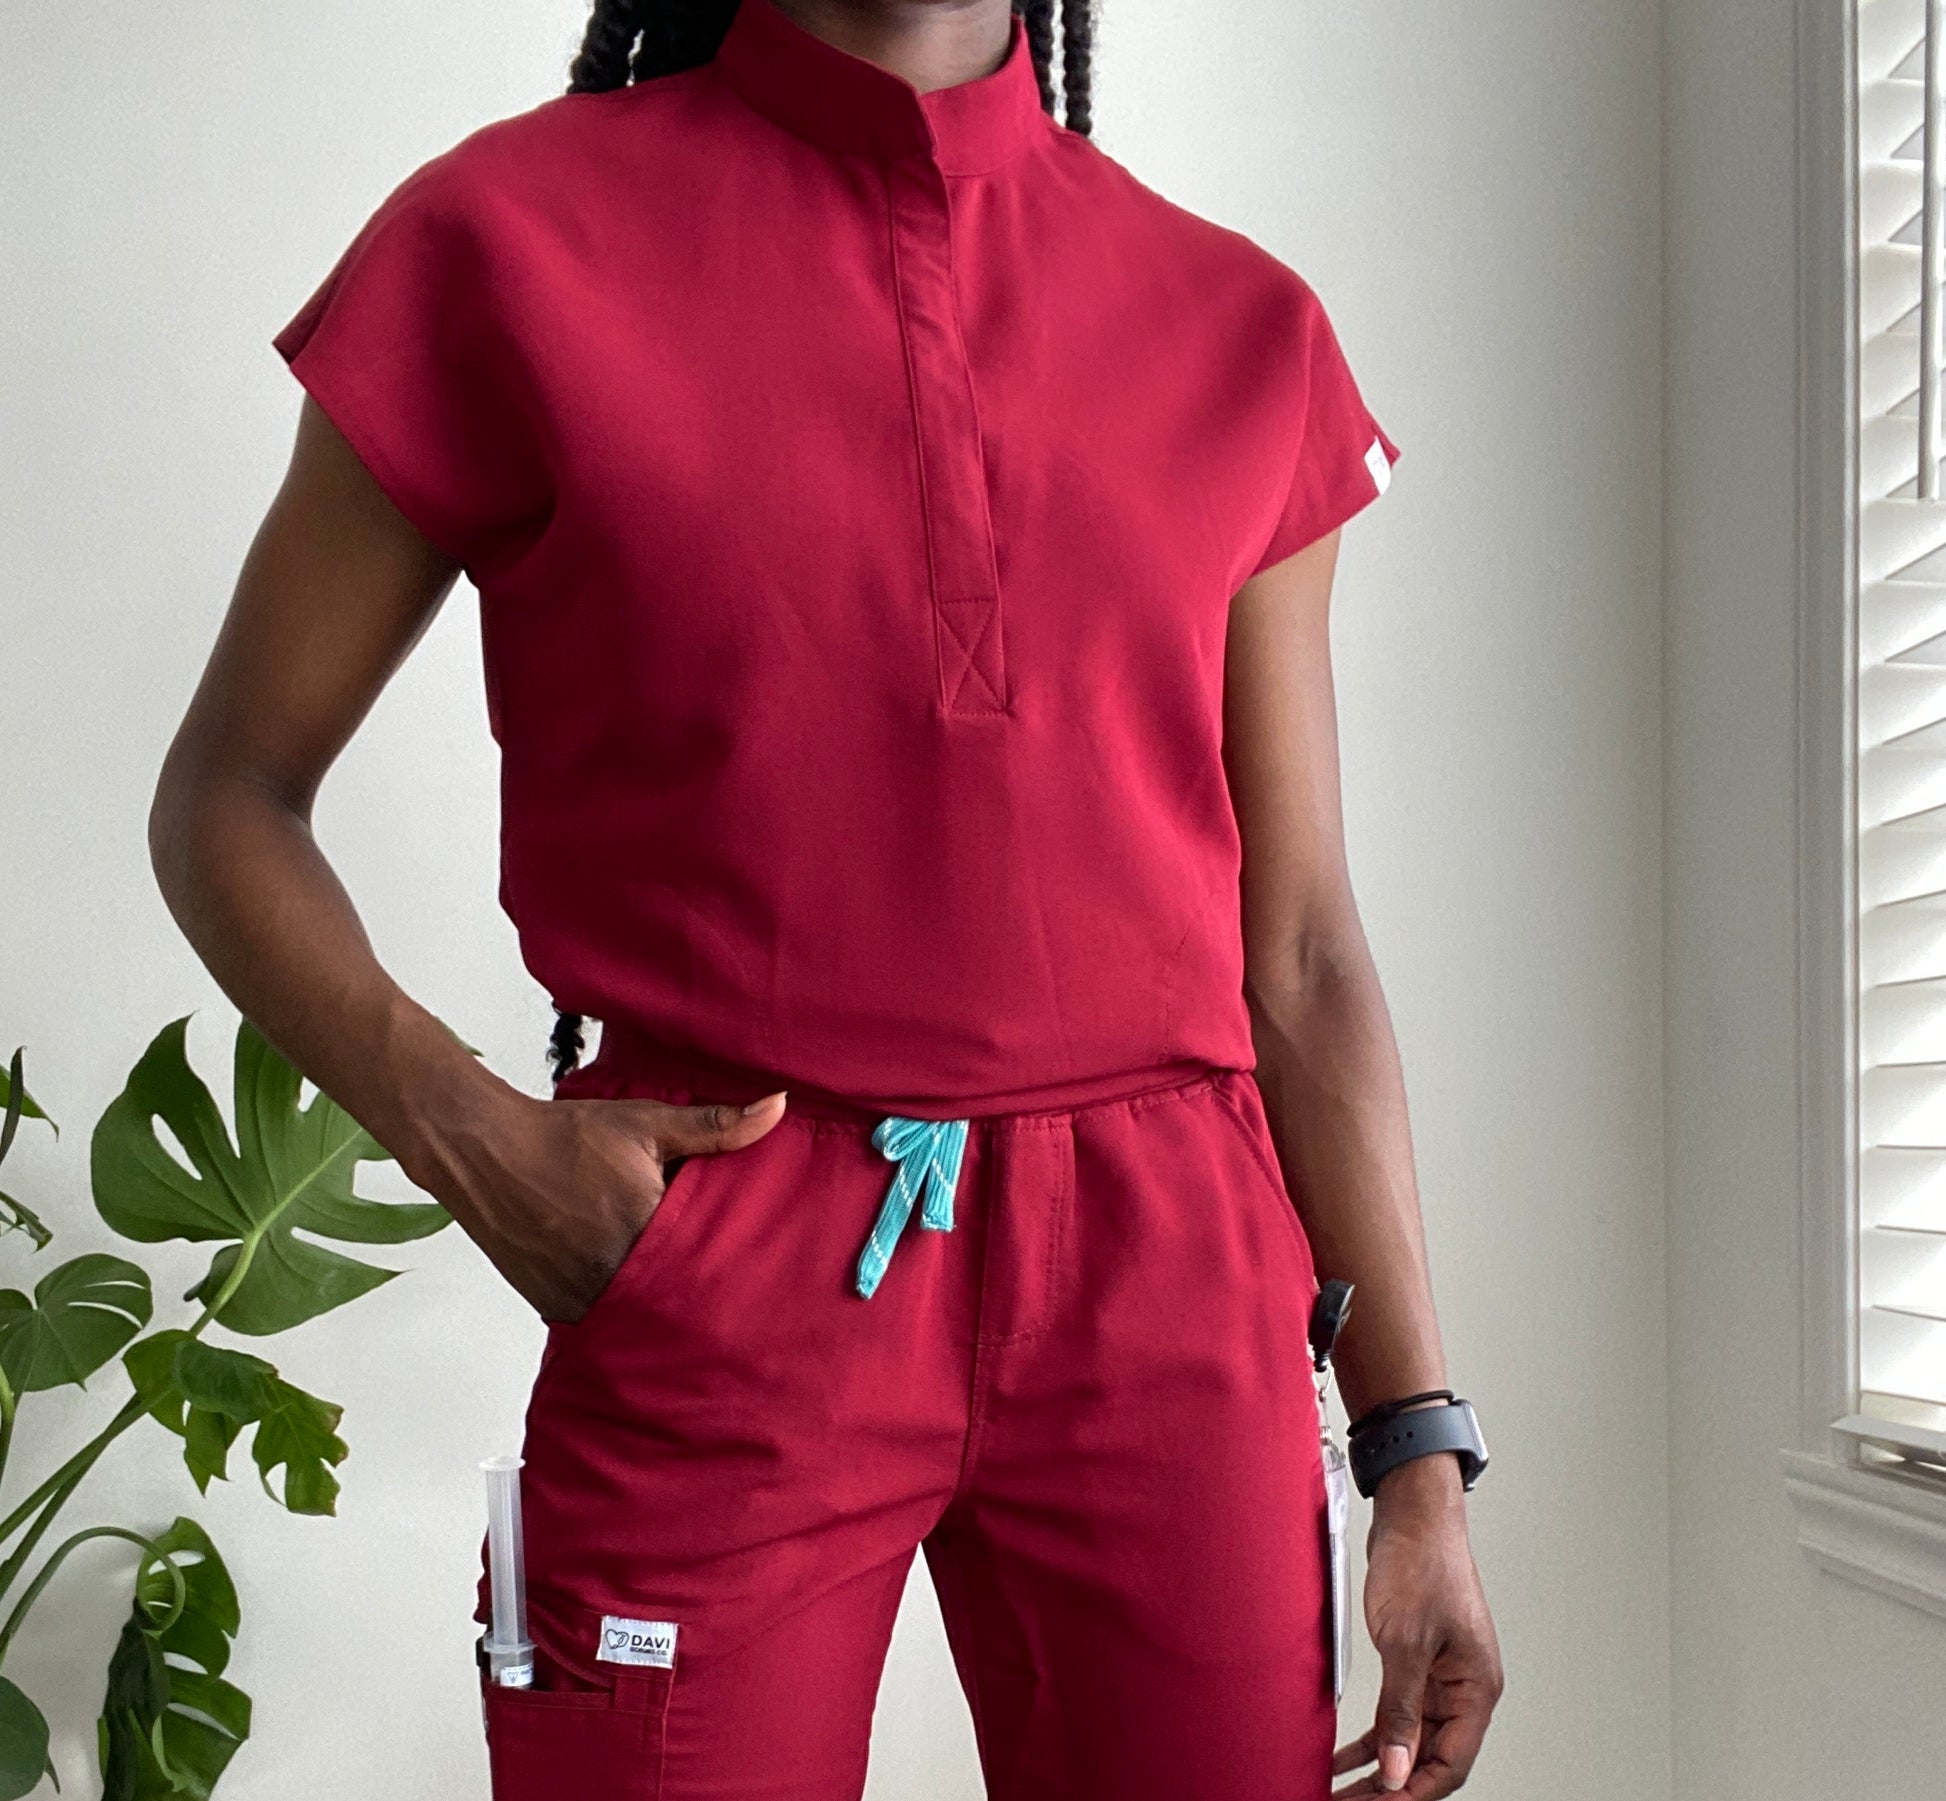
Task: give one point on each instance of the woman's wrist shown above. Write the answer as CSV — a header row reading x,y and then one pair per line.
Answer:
x,y
1421,1487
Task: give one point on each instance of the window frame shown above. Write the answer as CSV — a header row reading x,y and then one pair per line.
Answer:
x,y
1873,1525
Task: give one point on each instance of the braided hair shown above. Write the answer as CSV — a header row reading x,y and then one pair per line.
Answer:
x,y
637,40
566,1043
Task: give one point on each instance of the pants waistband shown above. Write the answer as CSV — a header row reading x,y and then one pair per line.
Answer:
x,y
632,1064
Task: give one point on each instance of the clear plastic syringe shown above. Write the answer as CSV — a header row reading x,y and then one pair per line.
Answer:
x,y
509,1651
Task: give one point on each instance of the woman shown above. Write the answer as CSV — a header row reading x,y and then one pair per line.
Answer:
x,y
904,544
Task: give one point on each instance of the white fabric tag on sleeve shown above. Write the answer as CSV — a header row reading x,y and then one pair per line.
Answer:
x,y
650,1643
1380,466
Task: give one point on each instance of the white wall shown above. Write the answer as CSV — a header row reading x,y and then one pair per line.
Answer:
x,y
1474,191
1789,1683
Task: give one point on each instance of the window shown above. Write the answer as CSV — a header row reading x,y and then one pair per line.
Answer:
x,y
1899,1404
1868,1474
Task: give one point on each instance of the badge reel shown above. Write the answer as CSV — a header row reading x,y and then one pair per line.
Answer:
x,y
1327,1321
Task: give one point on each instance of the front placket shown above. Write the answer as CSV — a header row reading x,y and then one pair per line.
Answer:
x,y
964,573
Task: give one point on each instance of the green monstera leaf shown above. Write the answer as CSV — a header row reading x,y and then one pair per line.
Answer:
x,y
17,1104
169,1723
23,1744
207,1395
82,1314
291,1169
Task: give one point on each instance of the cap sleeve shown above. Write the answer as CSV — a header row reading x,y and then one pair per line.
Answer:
x,y
1343,459
406,346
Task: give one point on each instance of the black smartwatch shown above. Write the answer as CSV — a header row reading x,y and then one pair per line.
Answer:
x,y
1395,1432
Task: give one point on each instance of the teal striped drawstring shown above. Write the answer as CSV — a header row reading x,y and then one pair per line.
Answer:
x,y
927,1152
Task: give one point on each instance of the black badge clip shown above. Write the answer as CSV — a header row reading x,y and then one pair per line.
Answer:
x,y
1328,1313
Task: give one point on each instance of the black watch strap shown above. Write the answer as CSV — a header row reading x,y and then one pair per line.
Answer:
x,y
1379,1448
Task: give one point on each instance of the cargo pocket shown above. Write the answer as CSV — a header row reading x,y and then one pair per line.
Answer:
x,y
583,1729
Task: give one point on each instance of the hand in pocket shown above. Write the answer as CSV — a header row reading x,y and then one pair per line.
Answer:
x,y
557,1192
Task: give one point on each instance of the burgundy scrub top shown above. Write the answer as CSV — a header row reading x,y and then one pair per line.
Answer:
x,y
855,482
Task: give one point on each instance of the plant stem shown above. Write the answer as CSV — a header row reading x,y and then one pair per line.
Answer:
x,y
59,1556
36,1532
8,1407
246,1250
76,1466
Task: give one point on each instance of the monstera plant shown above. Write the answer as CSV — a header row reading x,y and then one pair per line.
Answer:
x,y
171,1719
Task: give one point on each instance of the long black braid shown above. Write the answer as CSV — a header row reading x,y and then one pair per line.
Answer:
x,y
637,40
1077,64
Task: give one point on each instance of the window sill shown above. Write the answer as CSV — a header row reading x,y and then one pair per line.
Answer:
x,y
1885,1531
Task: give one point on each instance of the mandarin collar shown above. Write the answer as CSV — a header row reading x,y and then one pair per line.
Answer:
x,y
811,87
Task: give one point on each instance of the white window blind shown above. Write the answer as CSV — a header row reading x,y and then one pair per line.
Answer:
x,y
1901,750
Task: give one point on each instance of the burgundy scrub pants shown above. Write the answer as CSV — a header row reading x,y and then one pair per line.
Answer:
x,y
1089,1402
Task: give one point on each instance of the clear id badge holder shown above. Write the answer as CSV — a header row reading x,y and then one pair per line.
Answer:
x,y
1327,1321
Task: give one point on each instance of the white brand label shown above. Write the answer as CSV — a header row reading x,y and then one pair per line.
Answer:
x,y
1380,465
649,1642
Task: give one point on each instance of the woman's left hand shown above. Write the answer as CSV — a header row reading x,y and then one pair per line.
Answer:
x,y
1427,1615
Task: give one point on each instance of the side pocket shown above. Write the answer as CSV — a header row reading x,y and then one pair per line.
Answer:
x,y
679,1181
1244,1111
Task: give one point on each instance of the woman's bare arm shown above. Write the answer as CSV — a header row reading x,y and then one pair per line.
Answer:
x,y
336,590
1329,1070
1326,1059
